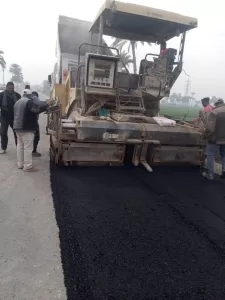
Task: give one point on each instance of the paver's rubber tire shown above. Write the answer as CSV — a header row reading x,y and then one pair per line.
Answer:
x,y
128,154
52,156
52,153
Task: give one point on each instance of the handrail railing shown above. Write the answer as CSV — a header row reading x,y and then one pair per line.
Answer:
x,y
93,45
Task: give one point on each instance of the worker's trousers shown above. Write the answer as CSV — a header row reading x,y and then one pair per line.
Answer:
x,y
5,123
212,150
36,139
24,149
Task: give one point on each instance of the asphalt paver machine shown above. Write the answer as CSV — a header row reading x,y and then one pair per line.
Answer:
x,y
106,115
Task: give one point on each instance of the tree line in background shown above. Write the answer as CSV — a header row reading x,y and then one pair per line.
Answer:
x,y
178,98
18,79
127,50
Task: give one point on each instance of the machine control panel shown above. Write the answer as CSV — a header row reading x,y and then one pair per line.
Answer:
x,y
101,71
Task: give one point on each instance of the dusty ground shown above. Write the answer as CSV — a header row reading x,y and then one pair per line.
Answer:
x,y
30,262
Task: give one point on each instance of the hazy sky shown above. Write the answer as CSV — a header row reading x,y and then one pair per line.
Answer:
x,y
28,36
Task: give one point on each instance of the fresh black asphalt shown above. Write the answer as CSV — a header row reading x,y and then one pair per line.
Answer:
x,y
126,234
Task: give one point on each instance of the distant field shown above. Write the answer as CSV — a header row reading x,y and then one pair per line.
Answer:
x,y
179,111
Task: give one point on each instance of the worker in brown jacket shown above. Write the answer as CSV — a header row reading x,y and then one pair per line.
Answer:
x,y
215,132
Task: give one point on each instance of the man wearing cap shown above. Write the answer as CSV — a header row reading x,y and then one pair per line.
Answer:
x,y
216,139
219,102
25,126
8,99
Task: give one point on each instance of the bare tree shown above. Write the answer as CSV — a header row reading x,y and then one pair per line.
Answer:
x,y
3,65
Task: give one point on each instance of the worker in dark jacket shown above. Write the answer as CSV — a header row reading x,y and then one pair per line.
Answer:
x,y
216,139
25,125
35,153
7,100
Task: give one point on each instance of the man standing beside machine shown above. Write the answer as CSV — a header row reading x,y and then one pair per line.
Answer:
x,y
215,134
25,125
35,153
8,98
36,100
206,104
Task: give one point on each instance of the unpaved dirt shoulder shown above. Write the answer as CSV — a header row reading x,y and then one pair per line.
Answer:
x,y
30,261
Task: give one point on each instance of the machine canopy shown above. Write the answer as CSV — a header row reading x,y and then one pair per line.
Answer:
x,y
140,23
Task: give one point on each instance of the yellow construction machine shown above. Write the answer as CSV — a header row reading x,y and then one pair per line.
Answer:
x,y
107,115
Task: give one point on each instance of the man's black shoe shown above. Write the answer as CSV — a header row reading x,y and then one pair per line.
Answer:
x,y
36,154
222,176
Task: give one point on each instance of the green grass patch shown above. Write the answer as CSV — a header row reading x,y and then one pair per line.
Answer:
x,y
180,111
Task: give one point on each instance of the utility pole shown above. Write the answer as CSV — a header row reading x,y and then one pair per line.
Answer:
x,y
187,87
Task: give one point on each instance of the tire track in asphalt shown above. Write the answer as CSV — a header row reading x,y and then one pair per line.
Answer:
x,y
201,204
71,253
124,236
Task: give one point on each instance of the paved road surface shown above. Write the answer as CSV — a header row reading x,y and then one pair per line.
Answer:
x,y
30,263
127,234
